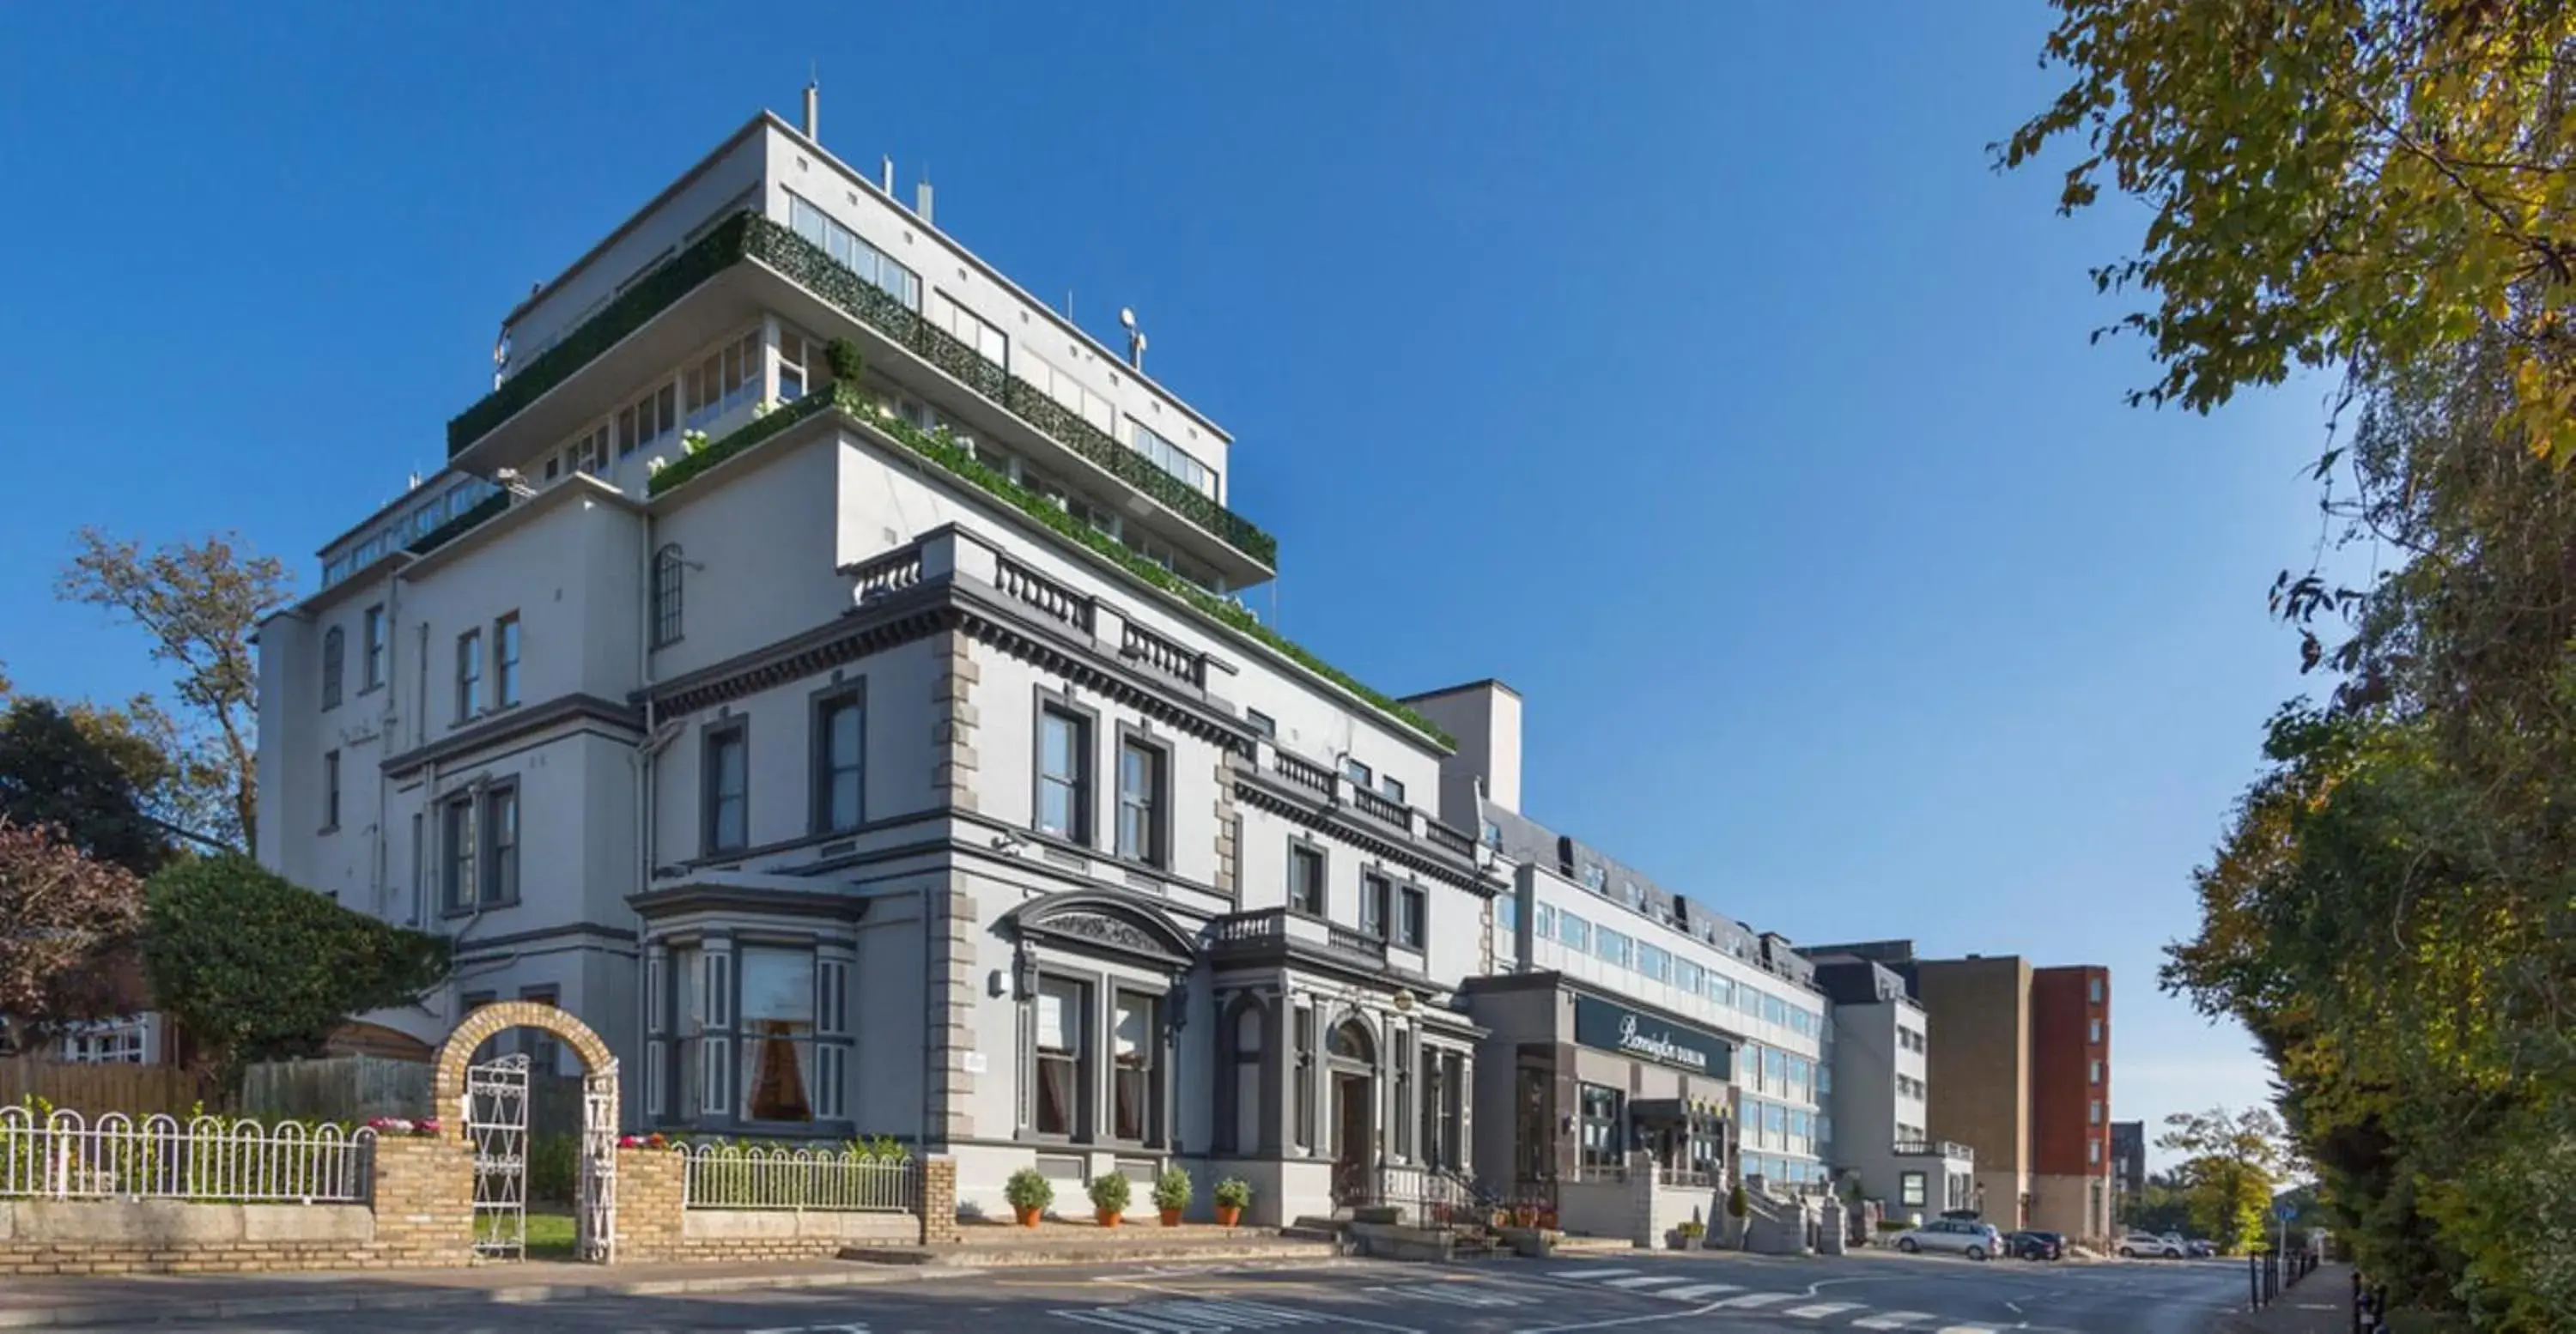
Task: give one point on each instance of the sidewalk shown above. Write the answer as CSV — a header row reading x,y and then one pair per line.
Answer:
x,y
70,1301
2321,1303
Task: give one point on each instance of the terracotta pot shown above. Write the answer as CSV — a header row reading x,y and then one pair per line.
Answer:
x,y
1029,1217
1525,1217
1171,1218
1228,1214
1107,1217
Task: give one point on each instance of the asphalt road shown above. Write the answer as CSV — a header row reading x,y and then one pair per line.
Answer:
x,y
1643,1292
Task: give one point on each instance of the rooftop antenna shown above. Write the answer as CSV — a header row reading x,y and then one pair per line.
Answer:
x,y
921,199
813,100
1135,339
885,174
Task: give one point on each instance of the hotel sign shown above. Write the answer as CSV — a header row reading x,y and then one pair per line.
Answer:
x,y
1599,1023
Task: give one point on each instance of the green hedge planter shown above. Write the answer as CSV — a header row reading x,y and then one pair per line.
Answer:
x,y
752,236
939,449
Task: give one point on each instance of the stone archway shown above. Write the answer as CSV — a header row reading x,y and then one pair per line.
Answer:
x,y
595,1217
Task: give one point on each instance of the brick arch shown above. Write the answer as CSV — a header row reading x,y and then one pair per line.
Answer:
x,y
447,1084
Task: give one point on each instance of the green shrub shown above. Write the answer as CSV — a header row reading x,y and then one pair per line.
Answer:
x,y
1109,1193
1234,1193
554,1168
1028,1188
1172,1189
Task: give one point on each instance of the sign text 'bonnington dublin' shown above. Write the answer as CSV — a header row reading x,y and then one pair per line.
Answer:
x,y
1599,1023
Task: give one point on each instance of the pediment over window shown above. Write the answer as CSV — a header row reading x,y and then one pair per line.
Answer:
x,y
1103,923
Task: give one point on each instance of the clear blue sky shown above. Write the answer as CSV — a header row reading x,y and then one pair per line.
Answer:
x,y
1682,364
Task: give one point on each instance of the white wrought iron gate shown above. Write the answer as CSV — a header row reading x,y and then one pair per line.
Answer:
x,y
496,1122
597,1240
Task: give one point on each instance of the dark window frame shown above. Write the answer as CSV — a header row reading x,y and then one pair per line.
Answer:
x,y
669,590
469,675
1323,860
1150,1114
460,857
1083,1113
374,635
1377,903
490,888
821,771
507,636
1613,1151
716,735
1157,802
335,654
1261,722
1417,934
1085,780
330,790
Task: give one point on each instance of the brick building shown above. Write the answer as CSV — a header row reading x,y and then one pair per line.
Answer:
x,y
2070,1100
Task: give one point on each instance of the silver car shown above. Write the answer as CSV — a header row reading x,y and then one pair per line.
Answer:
x,y
1977,1241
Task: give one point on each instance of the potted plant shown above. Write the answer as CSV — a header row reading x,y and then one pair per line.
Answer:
x,y
1687,1235
1525,1214
1030,1193
1109,1198
1172,1194
1233,1196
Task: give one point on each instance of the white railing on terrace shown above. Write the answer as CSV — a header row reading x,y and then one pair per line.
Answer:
x,y
743,1177
205,1160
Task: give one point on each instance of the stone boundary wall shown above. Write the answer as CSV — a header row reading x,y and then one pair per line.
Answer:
x,y
423,1218
653,1224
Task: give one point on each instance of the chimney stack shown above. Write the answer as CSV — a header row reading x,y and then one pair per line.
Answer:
x,y
885,174
921,203
813,103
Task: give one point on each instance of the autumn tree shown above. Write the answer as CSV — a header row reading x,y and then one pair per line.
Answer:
x,y
200,602
2342,183
59,911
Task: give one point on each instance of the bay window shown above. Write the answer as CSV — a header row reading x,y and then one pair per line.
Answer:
x,y
778,997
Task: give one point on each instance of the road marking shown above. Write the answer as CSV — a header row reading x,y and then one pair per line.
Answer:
x,y
1966,1329
1754,1299
1698,1290
1589,1274
1458,1294
1644,1281
1192,1317
1819,1310
1893,1320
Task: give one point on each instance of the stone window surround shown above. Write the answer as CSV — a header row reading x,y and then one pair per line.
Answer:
x,y
1101,982
1086,817
852,689
726,724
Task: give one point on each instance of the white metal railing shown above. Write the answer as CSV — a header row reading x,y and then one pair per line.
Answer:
x,y
206,1160
721,1176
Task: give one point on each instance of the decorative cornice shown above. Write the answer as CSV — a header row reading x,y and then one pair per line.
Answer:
x,y
1259,789
514,723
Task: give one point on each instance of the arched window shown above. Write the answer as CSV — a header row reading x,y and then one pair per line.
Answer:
x,y
334,651
667,567
1350,1042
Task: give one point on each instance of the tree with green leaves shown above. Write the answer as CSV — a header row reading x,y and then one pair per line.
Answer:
x,y
2232,1163
200,602
87,783
257,968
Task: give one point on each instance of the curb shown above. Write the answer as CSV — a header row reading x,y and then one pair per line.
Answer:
x,y
526,1294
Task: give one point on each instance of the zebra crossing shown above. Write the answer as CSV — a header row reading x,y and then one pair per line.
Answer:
x,y
1736,1297
1498,1296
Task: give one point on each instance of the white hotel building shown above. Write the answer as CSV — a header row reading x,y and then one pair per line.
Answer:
x,y
893,762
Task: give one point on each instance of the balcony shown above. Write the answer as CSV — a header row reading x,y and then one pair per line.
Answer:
x,y
817,279
1269,932
1396,817
1934,1148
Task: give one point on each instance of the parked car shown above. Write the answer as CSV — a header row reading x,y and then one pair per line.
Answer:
x,y
2036,1246
1977,1241
2201,1250
2147,1245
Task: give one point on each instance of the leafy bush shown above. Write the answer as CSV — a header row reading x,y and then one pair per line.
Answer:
x,y
554,1168
258,968
1028,1188
1109,1193
1172,1189
1234,1193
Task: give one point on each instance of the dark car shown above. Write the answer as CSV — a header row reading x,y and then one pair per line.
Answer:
x,y
2200,1250
2036,1246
